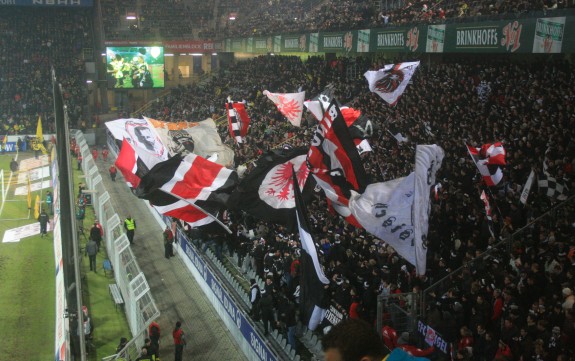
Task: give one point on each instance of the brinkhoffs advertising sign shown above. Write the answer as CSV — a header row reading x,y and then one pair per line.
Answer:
x,y
529,35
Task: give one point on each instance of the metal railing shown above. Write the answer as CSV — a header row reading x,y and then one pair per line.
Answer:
x,y
401,309
139,304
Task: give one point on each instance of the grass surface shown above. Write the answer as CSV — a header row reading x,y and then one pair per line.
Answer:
x,y
109,324
27,277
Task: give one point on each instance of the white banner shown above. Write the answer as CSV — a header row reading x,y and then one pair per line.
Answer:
x,y
61,322
32,163
15,234
140,135
200,138
23,190
384,210
527,188
34,174
428,160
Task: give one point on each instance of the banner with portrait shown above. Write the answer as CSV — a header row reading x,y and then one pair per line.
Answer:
x,y
200,138
139,134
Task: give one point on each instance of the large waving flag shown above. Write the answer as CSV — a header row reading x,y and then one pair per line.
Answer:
x,y
192,181
134,163
335,163
489,159
140,134
397,211
312,277
238,120
390,81
200,138
289,104
428,160
266,192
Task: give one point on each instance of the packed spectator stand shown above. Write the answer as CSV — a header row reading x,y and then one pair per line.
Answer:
x,y
529,108
33,41
298,16
517,302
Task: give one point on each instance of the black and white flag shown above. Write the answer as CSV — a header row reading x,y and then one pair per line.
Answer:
x,y
551,187
312,277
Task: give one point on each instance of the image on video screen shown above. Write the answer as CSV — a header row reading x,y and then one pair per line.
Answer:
x,y
135,67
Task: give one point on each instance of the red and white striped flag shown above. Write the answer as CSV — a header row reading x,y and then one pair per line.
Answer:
x,y
489,159
289,104
134,163
494,153
238,120
174,185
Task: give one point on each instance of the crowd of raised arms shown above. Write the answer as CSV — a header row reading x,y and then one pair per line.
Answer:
x,y
516,304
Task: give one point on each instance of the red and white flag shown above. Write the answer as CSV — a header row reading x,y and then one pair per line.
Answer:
x,y
390,81
176,184
134,163
289,104
238,120
335,163
494,153
489,159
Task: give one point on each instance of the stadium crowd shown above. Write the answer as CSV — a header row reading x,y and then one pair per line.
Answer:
x,y
294,16
516,304
159,20
33,41
528,106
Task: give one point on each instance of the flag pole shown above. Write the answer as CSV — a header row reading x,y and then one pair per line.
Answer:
x,y
199,209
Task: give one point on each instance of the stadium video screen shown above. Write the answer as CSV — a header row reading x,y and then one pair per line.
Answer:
x,y
135,67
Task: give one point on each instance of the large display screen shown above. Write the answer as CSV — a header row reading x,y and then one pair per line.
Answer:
x,y
135,67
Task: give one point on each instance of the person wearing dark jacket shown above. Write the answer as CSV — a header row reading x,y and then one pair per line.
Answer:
x,y
267,310
43,218
91,252
287,317
96,234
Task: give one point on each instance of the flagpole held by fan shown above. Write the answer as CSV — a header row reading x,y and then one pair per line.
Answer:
x,y
199,209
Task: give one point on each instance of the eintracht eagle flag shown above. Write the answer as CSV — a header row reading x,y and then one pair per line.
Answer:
x,y
266,192
489,159
390,81
335,163
397,211
289,104
312,279
238,121
192,179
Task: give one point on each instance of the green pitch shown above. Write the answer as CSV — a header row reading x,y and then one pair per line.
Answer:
x,y
27,276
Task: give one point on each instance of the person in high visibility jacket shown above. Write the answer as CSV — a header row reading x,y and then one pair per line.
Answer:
x,y
130,227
